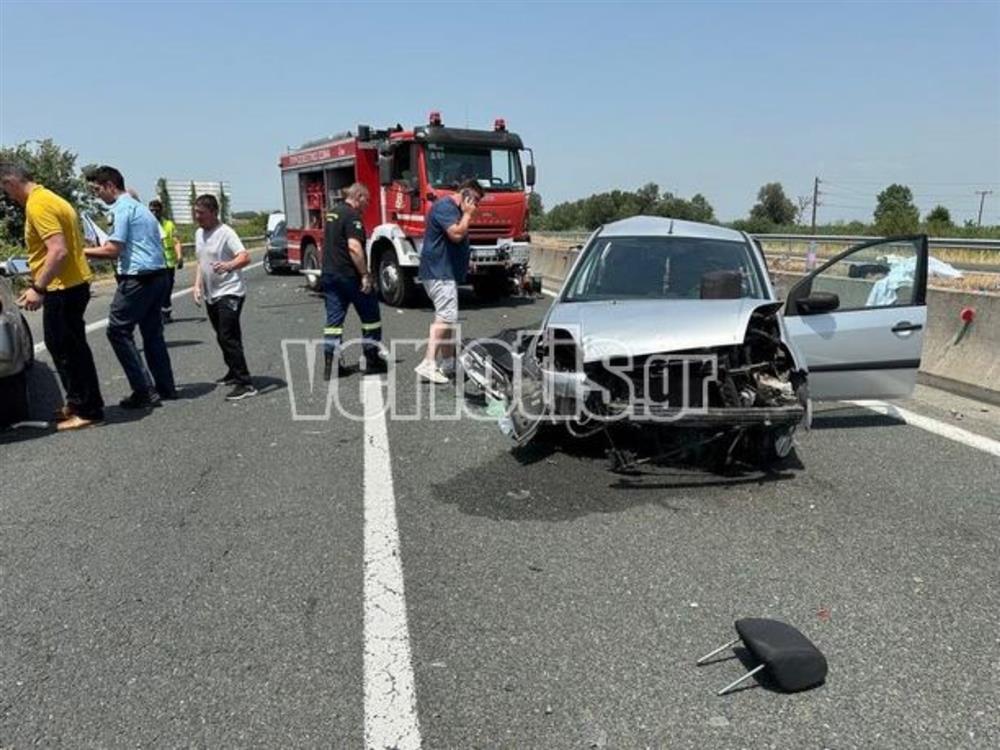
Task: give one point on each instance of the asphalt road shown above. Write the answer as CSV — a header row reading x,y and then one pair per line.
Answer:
x,y
194,576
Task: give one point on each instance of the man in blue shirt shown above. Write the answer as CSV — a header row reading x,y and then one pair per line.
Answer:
x,y
136,247
444,263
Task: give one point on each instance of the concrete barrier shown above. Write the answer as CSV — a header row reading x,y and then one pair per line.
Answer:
x,y
552,264
959,358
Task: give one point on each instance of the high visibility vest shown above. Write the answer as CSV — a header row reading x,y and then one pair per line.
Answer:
x,y
167,236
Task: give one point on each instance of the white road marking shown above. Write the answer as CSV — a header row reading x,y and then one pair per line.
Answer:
x,y
971,439
103,322
390,697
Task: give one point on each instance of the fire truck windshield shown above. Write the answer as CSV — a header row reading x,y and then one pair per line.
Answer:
x,y
494,168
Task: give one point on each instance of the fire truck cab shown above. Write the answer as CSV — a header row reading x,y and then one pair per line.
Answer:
x,y
405,171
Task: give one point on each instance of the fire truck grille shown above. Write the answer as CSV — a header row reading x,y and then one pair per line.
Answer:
x,y
479,232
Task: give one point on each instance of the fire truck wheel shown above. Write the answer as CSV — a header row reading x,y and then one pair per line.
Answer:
x,y
490,287
310,262
394,283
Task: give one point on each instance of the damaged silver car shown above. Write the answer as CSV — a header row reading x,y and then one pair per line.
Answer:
x,y
677,324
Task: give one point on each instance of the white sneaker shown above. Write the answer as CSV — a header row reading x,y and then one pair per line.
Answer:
x,y
429,371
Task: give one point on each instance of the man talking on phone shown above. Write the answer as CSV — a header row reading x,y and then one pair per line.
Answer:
x,y
444,263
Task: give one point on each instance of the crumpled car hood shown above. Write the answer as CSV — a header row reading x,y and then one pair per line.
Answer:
x,y
640,327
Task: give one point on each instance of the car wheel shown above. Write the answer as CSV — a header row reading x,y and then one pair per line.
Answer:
x,y
268,266
775,446
30,338
310,262
491,287
14,399
394,283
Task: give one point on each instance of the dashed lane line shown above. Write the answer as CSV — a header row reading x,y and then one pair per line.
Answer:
x,y
390,697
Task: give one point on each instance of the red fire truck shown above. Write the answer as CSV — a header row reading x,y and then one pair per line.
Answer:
x,y
406,170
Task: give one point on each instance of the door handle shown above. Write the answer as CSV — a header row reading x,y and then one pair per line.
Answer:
x,y
905,325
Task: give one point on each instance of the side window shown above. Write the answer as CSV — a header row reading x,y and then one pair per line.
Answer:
x,y
877,275
402,169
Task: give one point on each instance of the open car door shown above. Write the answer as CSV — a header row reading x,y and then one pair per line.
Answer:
x,y
858,320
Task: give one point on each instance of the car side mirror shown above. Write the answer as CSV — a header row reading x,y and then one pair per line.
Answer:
x,y
529,174
385,171
818,302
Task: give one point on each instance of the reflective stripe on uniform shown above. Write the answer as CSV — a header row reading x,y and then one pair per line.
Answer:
x,y
333,330
371,326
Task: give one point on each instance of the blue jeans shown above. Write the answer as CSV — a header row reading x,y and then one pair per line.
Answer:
x,y
137,303
339,293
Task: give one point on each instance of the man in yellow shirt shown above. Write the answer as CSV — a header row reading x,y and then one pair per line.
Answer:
x,y
60,285
173,253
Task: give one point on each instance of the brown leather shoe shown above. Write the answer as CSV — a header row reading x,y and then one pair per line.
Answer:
x,y
75,422
63,413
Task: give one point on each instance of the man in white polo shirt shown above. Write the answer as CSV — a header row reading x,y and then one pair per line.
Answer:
x,y
219,281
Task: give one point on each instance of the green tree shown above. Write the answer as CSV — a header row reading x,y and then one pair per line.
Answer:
x,y
536,210
599,209
895,212
773,205
696,209
164,196
564,216
647,197
702,209
938,220
193,196
53,167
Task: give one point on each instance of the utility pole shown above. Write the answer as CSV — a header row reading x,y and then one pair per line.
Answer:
x,y
815,201
982,197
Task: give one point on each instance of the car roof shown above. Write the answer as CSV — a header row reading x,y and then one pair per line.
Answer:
x,y
659,226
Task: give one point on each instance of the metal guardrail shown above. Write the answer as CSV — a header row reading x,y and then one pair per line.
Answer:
x,y
850,239
957,243
185,246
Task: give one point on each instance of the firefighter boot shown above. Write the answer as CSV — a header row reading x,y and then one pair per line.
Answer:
x,y
342,371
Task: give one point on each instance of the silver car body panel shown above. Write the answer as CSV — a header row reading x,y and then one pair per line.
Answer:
x,y
834,343
15,339
641,327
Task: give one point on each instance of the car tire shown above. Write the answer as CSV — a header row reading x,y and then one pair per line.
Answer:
x,y
395,284
775,446
490,287
268,266
310,262
14,399
29,336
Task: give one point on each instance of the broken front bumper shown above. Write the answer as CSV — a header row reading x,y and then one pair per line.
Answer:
x,y
743,416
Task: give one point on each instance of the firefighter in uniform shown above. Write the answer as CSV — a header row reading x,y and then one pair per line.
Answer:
x,y
346,281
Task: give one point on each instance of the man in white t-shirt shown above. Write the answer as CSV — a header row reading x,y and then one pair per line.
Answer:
x,y
219,281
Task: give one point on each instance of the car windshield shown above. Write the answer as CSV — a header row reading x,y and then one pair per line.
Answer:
x,y
665,268
493,168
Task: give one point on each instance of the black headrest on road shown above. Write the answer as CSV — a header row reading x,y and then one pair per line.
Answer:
x,y
791,660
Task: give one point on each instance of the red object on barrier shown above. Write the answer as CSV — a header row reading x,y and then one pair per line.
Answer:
x,y
967,315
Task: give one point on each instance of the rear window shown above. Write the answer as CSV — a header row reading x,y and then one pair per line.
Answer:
x,y
665,268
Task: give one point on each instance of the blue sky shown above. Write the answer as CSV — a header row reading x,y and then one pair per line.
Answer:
x,y
716,98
